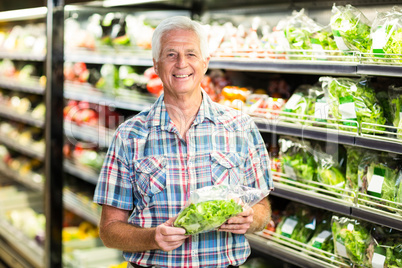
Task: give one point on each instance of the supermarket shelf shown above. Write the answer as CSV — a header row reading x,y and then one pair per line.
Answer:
x,y
285,66
312,199
93,135
15,242
303,131
28,85
315,197
28,181
379,70
86,174
271,248
110,56
378,217
25,149
24,118
379,143
73,203
87,93
21,55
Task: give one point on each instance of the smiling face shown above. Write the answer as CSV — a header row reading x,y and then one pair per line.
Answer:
x,y
180,65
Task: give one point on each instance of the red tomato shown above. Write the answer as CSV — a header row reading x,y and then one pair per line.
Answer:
x,y
155,86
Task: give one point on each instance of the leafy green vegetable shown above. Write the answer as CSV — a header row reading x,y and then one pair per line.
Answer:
x,y
299,226
296,160
387,242
353,100
352,26
386,33
353,236
396,108
322,238
207,215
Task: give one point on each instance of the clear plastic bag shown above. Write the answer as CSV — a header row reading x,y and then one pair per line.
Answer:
x,y
209,207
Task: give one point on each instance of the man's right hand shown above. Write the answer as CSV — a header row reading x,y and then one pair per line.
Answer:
x,y
168,237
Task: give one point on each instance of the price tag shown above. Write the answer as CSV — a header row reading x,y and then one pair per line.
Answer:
x,y
347,108
377,180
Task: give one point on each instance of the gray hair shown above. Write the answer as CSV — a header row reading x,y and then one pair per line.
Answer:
x,y
183,23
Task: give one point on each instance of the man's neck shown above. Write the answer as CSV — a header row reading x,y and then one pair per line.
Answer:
x,y
183,110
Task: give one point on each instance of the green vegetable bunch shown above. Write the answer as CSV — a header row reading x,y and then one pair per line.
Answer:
x,y
353,235
386,33
361,97
295,157
353,27
386,242
396,108
207,215
303,223
373,166
322,238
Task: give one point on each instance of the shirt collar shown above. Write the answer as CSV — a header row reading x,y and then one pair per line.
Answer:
x,y
158,115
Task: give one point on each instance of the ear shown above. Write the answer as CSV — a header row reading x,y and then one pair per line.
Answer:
x,y
206,63
155,66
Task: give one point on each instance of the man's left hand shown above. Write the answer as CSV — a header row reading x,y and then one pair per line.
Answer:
x,y
238,224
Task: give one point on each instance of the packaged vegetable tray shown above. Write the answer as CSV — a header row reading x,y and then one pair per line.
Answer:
x,y
209,207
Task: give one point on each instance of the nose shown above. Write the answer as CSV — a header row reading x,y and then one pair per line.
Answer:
x,y
181,61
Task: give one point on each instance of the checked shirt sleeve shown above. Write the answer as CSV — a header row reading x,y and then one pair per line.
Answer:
x,y
258,171
114,187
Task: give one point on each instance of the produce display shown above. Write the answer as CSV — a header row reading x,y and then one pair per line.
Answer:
x,y
29,38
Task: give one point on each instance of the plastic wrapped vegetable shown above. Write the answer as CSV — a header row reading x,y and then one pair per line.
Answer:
x,y
330,167
296,160
351,239
209,207
379,176
386,33
354,156
299,224
385,250
353,100
351,29
322,238
302,102
395,94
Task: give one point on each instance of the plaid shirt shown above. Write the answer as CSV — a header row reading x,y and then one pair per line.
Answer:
x,y
151,170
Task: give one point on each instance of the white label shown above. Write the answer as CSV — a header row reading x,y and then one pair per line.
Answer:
x,y
340,43
350,227
293,101
347,110
341,249
322,236
376,184
290,171
378,261
321,110
379,38
288,226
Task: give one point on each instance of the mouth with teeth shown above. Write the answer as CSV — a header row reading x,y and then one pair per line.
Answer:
x,y
182,75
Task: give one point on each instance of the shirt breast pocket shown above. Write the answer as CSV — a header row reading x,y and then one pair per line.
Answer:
x,y
226,168
150,175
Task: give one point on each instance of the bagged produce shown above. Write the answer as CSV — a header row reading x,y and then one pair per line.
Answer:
x,y
353,100
209,207
297,161
395,98
331,166
351,29
302,102
386,33
351,239
354,156
322,238
299,224
385,249
380,178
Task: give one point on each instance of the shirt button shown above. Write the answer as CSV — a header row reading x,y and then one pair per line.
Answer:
x,y
190,164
